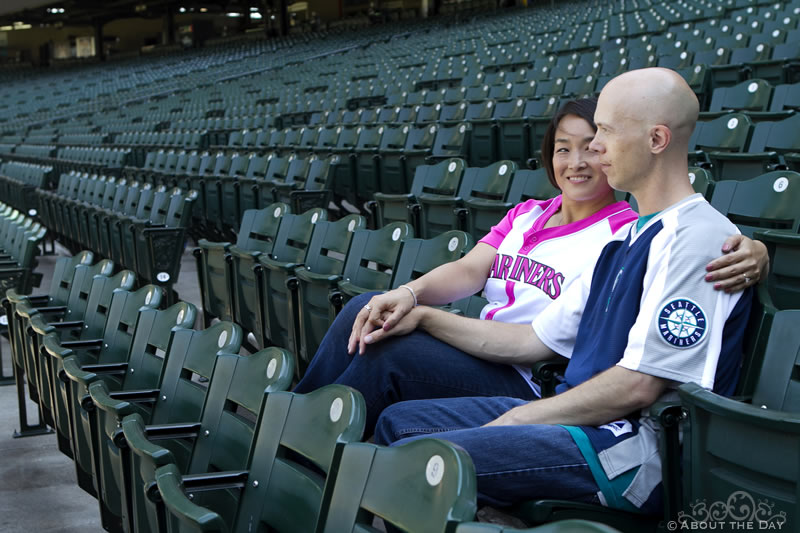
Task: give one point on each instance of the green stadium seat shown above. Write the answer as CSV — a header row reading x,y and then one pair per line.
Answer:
x,y
313,281
273,270
765,152
113,346
369,263
55,346
276,490
719,467
728,133
106,406
426,486
179,397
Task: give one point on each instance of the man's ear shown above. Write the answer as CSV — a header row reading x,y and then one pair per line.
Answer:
x,y
660,137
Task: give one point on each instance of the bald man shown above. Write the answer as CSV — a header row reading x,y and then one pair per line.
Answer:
x,y
634,328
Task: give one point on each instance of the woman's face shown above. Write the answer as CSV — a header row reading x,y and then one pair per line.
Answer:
x,y
577,168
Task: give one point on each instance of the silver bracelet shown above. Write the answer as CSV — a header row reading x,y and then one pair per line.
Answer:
x,y
413,294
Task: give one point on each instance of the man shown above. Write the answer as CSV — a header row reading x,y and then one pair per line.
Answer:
x,y
642,322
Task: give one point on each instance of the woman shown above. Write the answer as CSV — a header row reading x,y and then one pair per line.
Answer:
x,y
522,265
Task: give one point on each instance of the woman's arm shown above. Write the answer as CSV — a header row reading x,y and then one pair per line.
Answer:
x,y
743,258
442,285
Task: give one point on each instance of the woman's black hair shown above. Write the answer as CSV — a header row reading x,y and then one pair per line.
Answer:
x,y
583,108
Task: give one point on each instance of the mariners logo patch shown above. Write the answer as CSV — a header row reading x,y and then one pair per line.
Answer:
x,y
682,323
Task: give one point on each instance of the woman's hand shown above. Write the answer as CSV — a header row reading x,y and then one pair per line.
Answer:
x,y
382,311
743,264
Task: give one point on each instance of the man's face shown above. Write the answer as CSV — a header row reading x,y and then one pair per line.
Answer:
x,y
620,141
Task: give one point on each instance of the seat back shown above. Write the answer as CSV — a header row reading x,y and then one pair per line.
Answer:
x,y
420,256
750,95
372,255
425,486
289,496
151,342
192,355
728,133
720,463
768,201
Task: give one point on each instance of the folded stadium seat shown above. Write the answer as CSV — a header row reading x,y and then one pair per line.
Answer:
x,y
483,137
288,496
228,188
308,313
167,176
453,113
158,246
135,378
580,87
369,263
210,165
562,526
735,70
344,187
750,96
366,177
57,339
17,267
783,65
390,164
111,198
191,167
273,271
220,438
208,186
420,256
785,98
178,397
717,467
31,324
765,152
728,133
437,480
427,113
697,77
764,202
712,58
442,178
152,208
440,213
327,139
676,60
16,326
484,212
112,346
307,142
291,140
701,180
523,89
450,142
308,183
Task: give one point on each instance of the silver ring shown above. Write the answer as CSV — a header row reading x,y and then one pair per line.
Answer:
x,y
367,307
746,279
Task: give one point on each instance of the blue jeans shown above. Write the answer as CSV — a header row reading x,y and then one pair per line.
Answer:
x,y
513,463
412,367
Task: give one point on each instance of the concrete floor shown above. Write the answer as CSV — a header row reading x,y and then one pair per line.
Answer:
x,y
38,491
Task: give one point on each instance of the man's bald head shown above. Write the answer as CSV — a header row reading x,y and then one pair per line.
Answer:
x,y
655,96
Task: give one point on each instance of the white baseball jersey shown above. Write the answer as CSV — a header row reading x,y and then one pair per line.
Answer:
x,y
534,264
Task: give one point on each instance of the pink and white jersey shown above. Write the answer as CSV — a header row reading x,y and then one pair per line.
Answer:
x,y
534,264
